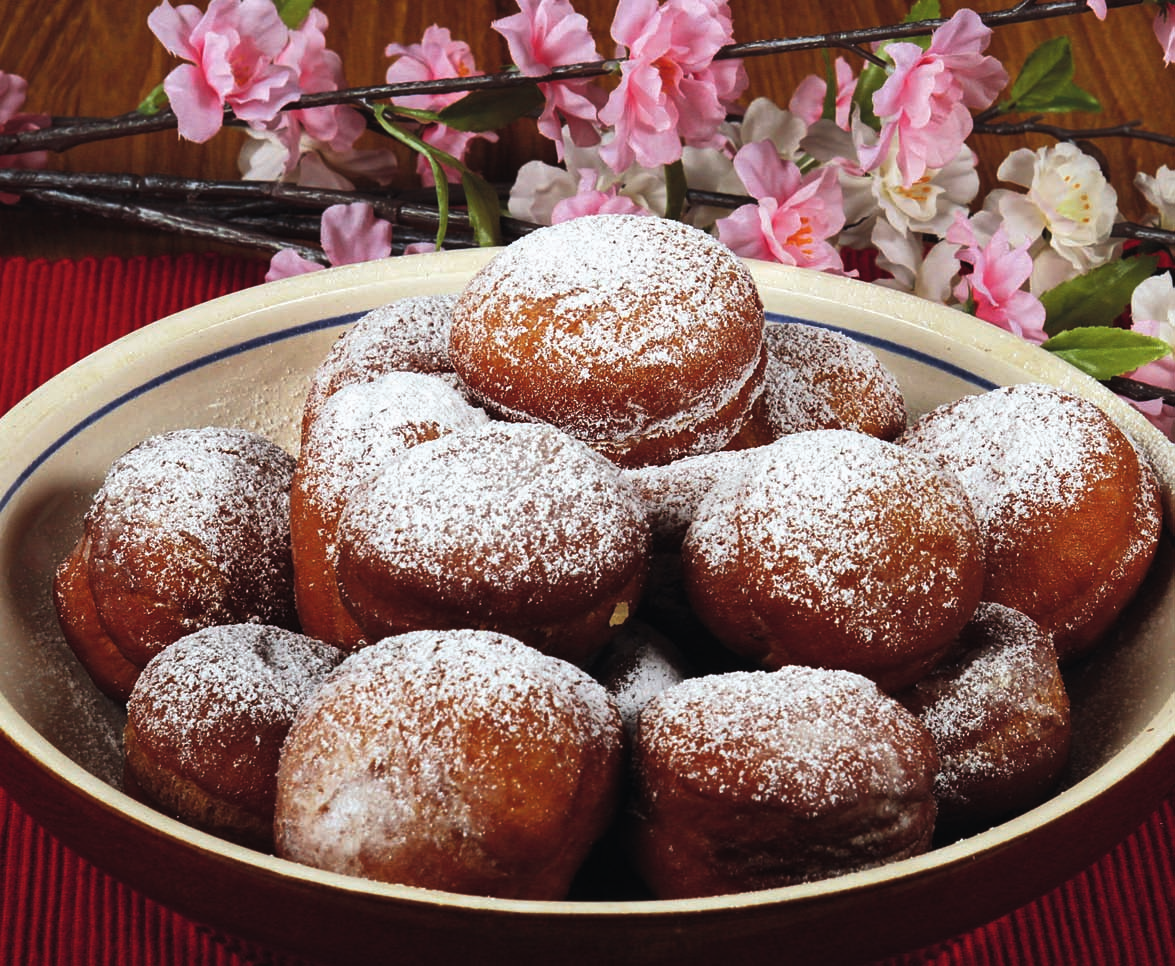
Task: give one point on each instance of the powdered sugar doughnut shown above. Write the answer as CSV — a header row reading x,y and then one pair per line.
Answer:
x,y
460,760
207,718
818,378
672,492
836,549
410,334
358,428
1070,513
189,529
757,779
641,336
639,664
999,713
515,527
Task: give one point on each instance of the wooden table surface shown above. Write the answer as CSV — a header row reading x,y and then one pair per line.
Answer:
x,y
91,59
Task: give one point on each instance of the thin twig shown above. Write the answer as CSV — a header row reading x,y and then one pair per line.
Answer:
x,y
1033,125
1139,391
60,137
171,221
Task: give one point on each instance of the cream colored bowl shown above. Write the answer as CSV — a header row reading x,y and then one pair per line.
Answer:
x,y
244,360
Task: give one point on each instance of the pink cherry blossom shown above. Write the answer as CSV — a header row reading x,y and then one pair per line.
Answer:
x,y
795,214
1098,7
233,49
319,69
591,200
547,34
1164,25
671,91
994,286
926,102
807,100
13,89
437,56
350,234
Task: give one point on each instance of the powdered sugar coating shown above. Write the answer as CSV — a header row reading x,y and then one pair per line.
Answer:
x,y
672,493
997,710
820,379
492,516
835,548
659,321
363,425
1070,513
640,663
196,523
218,690
409,334
816,739
756,779
447,759
1019,450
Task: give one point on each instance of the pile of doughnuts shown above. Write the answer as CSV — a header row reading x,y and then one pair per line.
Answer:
x,y
589,571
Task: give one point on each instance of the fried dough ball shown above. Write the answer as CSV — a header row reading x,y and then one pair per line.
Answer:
x,y
206,722
410,334
836,549
1070,513
516,527
358,429
999,713
641,336
819,378
457,760
189,529
756,779
671,493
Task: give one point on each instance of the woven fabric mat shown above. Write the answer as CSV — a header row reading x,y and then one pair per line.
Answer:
x,y
56,908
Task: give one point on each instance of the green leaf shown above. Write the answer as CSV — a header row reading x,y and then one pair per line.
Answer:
x,y
490,110
154,102
1105,351
485,210
923,10
1096,298
1045,82
293,12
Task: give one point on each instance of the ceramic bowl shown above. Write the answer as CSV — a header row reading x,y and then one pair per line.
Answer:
x,y
245,360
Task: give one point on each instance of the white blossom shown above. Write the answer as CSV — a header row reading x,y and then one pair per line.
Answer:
x,y
1159,190
930,274
1068,208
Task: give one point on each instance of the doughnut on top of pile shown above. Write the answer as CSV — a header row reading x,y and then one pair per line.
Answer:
x,y
641,336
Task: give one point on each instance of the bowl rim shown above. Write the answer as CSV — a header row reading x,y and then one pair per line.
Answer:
x,y
438,269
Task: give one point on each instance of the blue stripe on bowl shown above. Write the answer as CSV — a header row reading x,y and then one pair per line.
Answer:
x,y
337,321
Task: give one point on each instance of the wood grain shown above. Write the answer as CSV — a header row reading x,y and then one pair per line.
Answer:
x,y
83,59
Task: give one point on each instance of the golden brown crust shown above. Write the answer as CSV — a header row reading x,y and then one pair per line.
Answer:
x,y
207,718
358,429
1071,514
642,337
819,378
459,760
999,714
515,527
189,529
835,549
753,780
83,631
410,334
